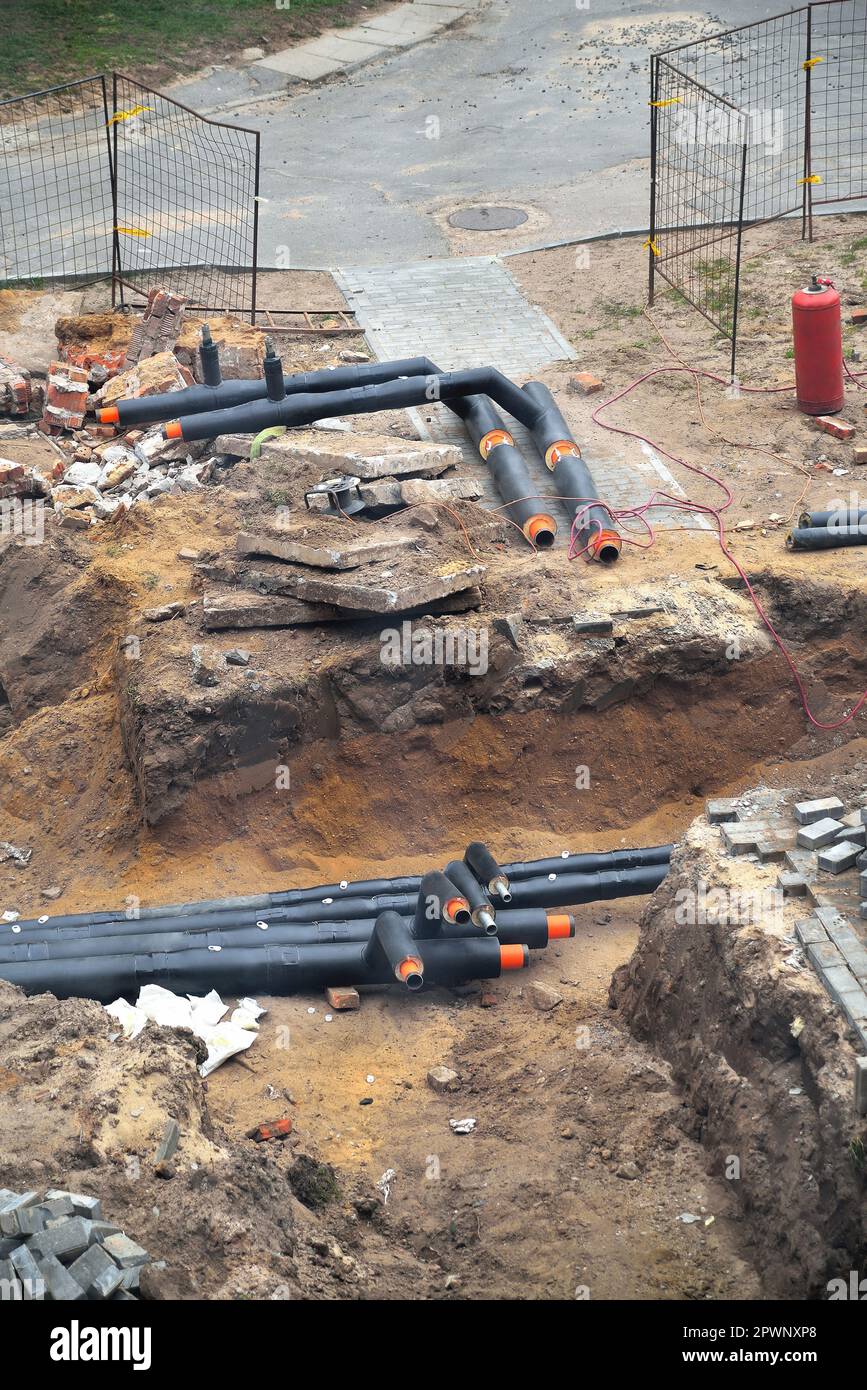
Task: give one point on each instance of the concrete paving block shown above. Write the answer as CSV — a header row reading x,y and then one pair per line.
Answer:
x,y
810,932
97,1273
838,857
59,1284
839,981
56,1207
32,1283
10,1284
792,885
408,22
300,64
816,834
853,1002
123,1296
721,809
13,1201
99,1230
82,1204
65,1241
829,807
862,910
346,555
862,884
125,1253
856,835
825,956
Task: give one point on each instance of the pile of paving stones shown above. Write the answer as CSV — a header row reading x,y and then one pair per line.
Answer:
x,y
838,836
58,1248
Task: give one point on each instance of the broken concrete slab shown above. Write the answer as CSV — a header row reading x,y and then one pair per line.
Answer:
x,y
363,456
306,549
243,610
407,591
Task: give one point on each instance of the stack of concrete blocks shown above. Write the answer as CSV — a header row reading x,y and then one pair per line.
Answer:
x,y
58,1248
831,841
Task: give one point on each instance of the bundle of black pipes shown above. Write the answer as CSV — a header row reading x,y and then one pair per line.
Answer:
x,y
430,932
829,529
220,407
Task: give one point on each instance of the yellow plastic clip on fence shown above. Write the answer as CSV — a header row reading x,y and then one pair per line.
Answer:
x,y
813,178
132,231
811,63
128,115
653,246
668,101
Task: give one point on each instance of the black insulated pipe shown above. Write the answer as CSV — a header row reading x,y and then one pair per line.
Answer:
x,y
276,970
567,890
508,470
465,881
392,942
572,479
152,410
840,516
534,927
481,862
825,537
400,394
478,857
439,903
272,366
209,356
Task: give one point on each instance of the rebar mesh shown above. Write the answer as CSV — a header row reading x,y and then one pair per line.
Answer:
x,y
747,126
106,177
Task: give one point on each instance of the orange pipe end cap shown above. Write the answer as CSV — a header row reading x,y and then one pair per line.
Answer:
x,y
514,957
109,415
173,430
560,925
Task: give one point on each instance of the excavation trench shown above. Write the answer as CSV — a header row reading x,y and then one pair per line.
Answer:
x,y
597,1128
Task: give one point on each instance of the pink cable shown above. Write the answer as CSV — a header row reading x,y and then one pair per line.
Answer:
x,y
664,499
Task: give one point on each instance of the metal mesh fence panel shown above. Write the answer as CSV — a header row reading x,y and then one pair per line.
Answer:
x,y
747,126
56,204
186,199
106,177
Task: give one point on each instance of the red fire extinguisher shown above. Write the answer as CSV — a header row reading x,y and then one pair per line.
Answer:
x,y
818,335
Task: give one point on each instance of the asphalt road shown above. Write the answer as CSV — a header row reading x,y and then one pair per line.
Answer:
x,y
537,104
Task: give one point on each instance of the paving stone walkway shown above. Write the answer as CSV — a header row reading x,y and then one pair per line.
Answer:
x,y
470,312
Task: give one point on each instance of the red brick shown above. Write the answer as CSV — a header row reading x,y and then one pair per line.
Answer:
x,y
66,399
585,383
343,997
15,389
859,317
838,428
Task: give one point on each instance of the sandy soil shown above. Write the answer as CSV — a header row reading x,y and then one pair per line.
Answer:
x,y
543,1199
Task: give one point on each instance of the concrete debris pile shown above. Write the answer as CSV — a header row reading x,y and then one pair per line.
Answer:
x,y
58,1248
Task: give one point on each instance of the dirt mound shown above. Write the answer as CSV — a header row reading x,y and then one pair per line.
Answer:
x,y
84,1109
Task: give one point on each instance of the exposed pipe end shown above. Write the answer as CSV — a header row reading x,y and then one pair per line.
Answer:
x,y
486,920
411,972
173,430
514,957
492,440
457,911
605,547
109,415
790,542
541,530
804,519
560,926
500,886
561,448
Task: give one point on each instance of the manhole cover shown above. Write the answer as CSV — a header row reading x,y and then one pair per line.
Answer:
x,y
487,219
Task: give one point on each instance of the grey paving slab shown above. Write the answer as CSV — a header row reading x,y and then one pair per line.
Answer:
x,y
300,63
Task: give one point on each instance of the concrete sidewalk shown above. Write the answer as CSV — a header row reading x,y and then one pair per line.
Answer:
x,y
342,50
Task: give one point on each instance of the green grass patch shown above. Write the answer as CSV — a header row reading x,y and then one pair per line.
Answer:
x,y
59,40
